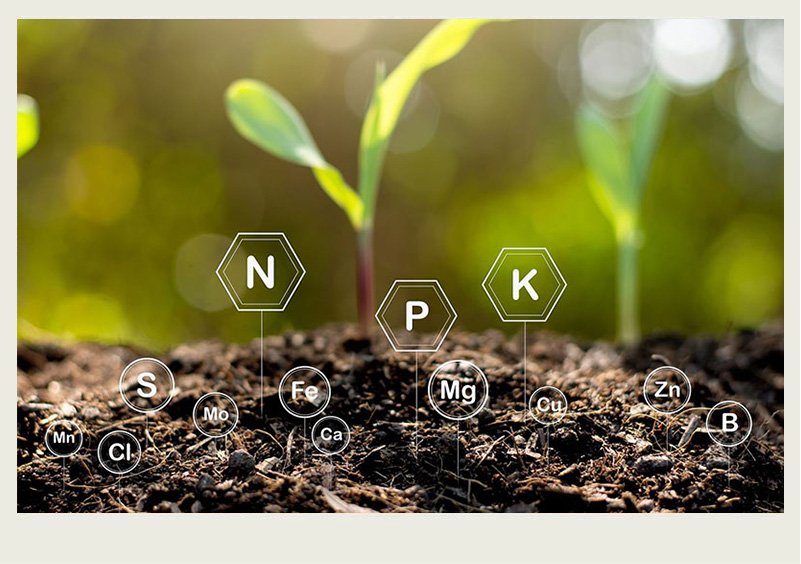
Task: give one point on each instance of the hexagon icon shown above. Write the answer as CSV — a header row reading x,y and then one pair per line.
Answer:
x,y
524,284
260,271
416,315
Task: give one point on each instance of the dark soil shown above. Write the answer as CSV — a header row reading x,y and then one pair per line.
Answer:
x,y
608,454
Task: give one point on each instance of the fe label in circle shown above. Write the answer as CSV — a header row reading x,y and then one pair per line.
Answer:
x,y
304,392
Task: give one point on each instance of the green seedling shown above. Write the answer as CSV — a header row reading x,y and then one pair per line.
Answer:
x,y
27,124
618,158
264,117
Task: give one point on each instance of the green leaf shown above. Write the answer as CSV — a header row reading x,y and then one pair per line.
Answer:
x,y
618,166
606,156
27,124
442,43
646,130
265,118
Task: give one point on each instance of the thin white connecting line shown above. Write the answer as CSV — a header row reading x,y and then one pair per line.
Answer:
x,y
261,364
416,406
525,371
458,471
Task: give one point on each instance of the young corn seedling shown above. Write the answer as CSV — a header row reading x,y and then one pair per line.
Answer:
x,y
264,117
27,124
618,159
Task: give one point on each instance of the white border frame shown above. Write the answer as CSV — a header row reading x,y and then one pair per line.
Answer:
x,y
745,537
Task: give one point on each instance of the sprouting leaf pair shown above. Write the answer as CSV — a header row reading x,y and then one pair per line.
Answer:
x,y
264,117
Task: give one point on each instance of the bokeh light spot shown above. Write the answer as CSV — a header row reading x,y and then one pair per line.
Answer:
x,y
615,59
337,36
195,265
102,183
764,41
692,53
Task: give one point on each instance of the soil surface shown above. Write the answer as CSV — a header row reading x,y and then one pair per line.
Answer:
x,y
608,454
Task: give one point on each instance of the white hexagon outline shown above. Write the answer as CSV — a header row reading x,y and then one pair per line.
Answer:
x,y
300,271
443,332
496,302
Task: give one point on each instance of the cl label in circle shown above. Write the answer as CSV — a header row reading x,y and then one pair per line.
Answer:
x,y
119,452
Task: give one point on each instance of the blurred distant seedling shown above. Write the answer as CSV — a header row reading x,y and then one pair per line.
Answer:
x,y
264,117
27,124
618,156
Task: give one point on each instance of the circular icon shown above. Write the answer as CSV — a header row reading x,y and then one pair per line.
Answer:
x,y
458,390
729,423
548,405
215,414
667,390
147,385
304,391
63,438
119,452
330,435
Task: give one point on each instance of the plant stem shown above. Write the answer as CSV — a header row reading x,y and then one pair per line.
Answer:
x,y
364,276
628,248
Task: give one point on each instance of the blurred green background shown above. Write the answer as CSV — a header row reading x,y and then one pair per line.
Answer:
x,y
139,181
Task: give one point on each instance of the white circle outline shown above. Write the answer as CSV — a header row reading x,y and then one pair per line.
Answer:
x,y
281,396
163,404
472,413
563,413
119,432
236,412
686,379
314,428
80,437
726,403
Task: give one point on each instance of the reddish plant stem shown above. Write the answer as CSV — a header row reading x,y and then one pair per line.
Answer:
x,y
364,277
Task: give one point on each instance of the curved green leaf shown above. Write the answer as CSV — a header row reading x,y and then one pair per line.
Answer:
x,y
442,43
646,130
265,118
27,124
606,156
